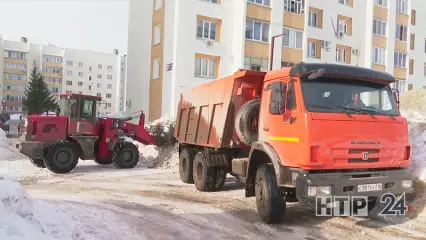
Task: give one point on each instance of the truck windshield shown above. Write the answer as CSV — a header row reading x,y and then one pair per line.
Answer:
x,y
343,95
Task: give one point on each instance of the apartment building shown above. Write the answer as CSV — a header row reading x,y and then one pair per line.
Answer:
x,y
65,70
122,85
184,43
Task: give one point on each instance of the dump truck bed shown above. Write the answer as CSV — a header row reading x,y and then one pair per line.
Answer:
x,y
206,113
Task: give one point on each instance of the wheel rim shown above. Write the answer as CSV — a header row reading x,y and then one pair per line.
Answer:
x,y
64,157
200,171
260,193
254,122
184,163
127,156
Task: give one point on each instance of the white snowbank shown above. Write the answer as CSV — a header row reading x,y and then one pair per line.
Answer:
x,y
23,218
165,157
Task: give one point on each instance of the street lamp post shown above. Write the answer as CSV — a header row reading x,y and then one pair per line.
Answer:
x,y
271,60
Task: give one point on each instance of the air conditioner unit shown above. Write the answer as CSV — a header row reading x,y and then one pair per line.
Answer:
x,y
325,44
209,43
128,103
340,34
355,51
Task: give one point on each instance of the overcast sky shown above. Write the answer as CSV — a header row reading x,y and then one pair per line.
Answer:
x,y
97,25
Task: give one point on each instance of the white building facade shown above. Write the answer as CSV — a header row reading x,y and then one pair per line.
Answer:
x,y
185,43
65,70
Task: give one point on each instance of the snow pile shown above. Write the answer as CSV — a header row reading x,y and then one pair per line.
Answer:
x,y
165,157
23,218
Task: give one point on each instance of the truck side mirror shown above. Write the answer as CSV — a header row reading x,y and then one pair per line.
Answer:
x,y
278,98
396,95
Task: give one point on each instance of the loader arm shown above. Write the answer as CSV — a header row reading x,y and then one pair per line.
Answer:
x,y
137,132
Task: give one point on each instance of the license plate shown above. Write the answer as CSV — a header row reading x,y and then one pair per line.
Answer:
x,y
370,187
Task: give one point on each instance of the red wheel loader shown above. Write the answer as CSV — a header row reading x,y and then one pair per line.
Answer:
x,y
58,142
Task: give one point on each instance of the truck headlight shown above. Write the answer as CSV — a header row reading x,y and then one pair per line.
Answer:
x,y
407,183
319,191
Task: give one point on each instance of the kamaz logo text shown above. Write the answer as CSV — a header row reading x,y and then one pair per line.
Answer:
x,y
365,143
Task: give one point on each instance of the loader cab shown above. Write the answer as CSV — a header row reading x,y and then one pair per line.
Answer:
x,y
81,111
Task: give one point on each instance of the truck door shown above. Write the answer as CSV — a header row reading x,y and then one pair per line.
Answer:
x,y
283,128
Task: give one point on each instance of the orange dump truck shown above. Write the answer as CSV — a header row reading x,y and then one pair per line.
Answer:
x,y
294,134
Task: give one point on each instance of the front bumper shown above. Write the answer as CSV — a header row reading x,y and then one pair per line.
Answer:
x,y
346,183
33,150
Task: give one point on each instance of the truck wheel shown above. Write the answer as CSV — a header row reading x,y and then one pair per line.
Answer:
x,y
220,178
269,202
103,161
125,155
204,177
186,161
246,121
61,157
38,162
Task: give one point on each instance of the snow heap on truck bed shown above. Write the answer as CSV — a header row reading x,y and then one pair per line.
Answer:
x,y
23,218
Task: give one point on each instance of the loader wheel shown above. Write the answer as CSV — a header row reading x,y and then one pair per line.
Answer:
x,y
103,161
270,204
247,122
220,178
125,155
186,160
38,162
61,157
204,177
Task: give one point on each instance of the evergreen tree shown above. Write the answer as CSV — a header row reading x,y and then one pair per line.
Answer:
x,y
37,95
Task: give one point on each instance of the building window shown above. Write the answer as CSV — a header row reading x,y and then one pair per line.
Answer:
x,y
413,17
401,32
80,84
99,85
400,59
344,2
80,74
412,40
90,78
211,1
294,6
158,4
99,75
256,64
157,34
100,66
99,94
341,55
109,105
401,6
90,68
411,66
69,63
313,19
52,70
312,49
80,92
287,64
16,55
109,86
257,30
108,95
69,83
109,77
379,56
399,85
379,27
424,70
343,26
156,68
382,3
56,90
205,67
109,67
206,30
292,38
261,2
18,66
80,64
69,72
68,91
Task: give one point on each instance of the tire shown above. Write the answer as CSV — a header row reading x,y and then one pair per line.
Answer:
x,y
61,157
204,177
246,122
125,155
220,178
186,161
103,161
38,162
270,204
